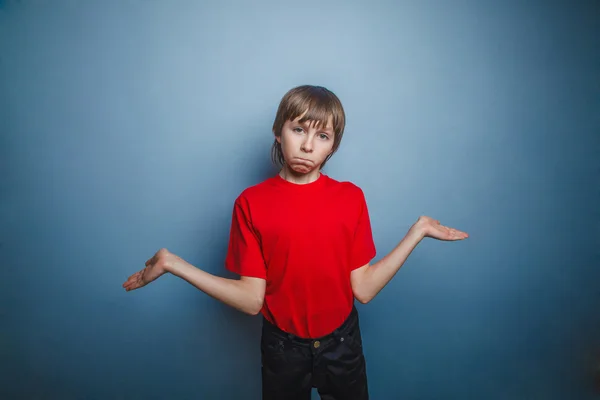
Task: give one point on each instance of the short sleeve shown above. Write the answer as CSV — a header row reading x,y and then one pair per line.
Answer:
x,y
244,255
363,246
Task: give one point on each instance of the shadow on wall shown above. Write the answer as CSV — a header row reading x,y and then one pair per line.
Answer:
x,y
596,372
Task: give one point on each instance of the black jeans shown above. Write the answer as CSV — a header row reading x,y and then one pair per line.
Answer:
x,y
334,364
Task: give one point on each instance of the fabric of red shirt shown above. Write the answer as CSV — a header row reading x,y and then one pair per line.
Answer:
x,y
304,240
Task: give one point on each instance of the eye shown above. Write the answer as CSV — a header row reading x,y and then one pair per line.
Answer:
x,y
324,136
298,129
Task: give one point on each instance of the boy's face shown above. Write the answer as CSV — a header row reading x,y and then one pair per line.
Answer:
x,y
305,145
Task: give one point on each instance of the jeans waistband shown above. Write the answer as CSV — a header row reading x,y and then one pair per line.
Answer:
x,y
348,325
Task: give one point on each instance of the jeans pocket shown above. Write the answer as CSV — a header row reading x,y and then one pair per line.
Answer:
x,y
272,345
353,341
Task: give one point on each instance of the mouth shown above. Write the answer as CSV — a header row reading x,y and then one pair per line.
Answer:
x,y
304,159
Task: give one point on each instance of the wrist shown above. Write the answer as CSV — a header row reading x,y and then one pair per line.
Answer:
x,y
416,233
174,266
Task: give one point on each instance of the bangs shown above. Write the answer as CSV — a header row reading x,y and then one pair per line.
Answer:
x,y
315,107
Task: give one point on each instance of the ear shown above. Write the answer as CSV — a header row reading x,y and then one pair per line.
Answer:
x,y
278,138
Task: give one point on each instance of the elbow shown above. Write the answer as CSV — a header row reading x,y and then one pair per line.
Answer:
x,y
253,311
361,282
256,307
251,296
361,292
362,298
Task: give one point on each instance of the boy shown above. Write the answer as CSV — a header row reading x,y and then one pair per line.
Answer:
x,y
302,245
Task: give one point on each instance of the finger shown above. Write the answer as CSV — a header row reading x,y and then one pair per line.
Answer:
x,y
456,232
459,235
449,233
132,287
129,280
136,284
446,230
133,277
134,280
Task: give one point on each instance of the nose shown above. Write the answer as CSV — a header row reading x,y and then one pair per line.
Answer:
x,y
307,144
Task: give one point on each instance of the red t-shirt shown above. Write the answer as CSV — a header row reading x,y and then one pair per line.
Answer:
x,y
304,239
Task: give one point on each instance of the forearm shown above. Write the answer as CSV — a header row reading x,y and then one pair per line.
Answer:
x,y
376,276
236,293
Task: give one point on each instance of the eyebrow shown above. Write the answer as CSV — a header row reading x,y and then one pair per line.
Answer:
x,y
328,130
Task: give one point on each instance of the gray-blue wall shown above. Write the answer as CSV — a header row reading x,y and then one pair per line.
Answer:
x,y
127,126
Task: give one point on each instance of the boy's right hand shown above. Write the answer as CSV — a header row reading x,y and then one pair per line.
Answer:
x,y
156,266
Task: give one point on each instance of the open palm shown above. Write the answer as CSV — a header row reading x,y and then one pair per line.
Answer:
x,y
432,228
155,267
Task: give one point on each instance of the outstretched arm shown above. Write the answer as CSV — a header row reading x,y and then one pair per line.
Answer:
x,y
245,294
368,280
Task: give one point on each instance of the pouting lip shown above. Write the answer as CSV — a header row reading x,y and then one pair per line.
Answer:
x,y
303,159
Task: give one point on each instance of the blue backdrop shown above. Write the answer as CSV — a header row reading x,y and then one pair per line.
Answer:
x,y
127,126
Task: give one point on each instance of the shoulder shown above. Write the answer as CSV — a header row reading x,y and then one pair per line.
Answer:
x,y
255,192
347,188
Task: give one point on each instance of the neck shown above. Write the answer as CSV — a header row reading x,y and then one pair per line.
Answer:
x,y
299,178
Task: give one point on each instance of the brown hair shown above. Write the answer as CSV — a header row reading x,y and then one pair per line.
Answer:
x,y
319,103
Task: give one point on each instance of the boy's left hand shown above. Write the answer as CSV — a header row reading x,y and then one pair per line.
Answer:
x,y
429,227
